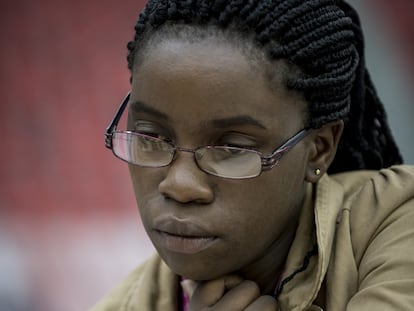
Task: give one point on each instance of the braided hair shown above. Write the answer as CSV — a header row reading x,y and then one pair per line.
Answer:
x,y
323,38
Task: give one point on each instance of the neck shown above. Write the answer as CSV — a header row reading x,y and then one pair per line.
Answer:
x,y
267,270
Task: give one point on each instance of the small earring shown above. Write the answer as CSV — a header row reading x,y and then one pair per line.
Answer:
x,y
317,172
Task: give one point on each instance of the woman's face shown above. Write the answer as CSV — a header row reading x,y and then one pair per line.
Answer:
x,y
204,93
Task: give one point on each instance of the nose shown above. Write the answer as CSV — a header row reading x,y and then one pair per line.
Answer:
x,y
185,182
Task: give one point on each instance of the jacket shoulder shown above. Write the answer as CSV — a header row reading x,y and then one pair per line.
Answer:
x,y
397,179
375,233
374,199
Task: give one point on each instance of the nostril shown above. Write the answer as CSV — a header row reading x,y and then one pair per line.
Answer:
x,y
166,196
185,199
197,202
201,202
186,190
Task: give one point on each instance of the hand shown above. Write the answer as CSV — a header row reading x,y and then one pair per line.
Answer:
x,y
230,293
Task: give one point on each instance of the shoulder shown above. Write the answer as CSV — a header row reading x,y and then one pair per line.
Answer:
x,y
366,193
139,285
378,209
398,178
374,236
377,197
372,196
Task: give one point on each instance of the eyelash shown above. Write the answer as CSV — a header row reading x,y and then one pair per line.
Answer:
x,y
239,141
235,145
150,129
156,135
227,139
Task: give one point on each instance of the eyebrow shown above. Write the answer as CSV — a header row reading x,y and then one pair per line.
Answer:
x,y
138,106
141,107
236,121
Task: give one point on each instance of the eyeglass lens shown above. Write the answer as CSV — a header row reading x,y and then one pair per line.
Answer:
x,y
220,161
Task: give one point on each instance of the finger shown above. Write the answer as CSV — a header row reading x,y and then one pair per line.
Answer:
x,y
208,293
239,297
263,303
231,281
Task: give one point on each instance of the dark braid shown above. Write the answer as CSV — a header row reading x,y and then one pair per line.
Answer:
x,y
367,137
322,38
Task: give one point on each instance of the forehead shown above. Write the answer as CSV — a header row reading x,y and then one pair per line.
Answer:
x,y
212,79
209,60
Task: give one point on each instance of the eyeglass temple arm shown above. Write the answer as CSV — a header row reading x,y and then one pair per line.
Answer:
x,y
270,161
114,123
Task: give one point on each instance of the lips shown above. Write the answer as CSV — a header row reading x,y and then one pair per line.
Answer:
x,y
183,236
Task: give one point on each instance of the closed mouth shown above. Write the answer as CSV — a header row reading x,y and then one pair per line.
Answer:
x,y
185,236
186,244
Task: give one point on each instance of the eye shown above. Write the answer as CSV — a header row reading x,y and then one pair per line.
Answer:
x,y
151,129
231,150
235,140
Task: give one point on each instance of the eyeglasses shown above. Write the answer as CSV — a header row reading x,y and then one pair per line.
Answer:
x,y
222,161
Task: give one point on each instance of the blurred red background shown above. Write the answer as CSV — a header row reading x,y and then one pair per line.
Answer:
x,y
69,228
65,201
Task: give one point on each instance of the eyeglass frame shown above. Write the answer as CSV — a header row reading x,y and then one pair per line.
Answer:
x,y
267,161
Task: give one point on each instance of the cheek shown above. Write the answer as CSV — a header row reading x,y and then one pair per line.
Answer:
x,y
145,184
278,187
264,203
272,203
256,220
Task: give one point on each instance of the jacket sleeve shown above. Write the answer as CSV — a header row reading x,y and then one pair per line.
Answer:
x,y
382,231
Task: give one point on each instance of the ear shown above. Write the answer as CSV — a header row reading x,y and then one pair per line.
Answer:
x,y
323,145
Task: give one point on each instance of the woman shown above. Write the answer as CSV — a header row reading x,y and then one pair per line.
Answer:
x,y
238,111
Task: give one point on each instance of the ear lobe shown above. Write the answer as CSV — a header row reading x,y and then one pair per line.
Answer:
x,y
323,148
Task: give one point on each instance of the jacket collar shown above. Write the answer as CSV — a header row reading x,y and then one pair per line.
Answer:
x,y
308,258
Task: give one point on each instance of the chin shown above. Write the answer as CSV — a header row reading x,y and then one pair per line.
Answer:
x,y
194,268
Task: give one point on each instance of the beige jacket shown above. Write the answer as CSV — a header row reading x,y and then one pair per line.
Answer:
x,y
363,225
